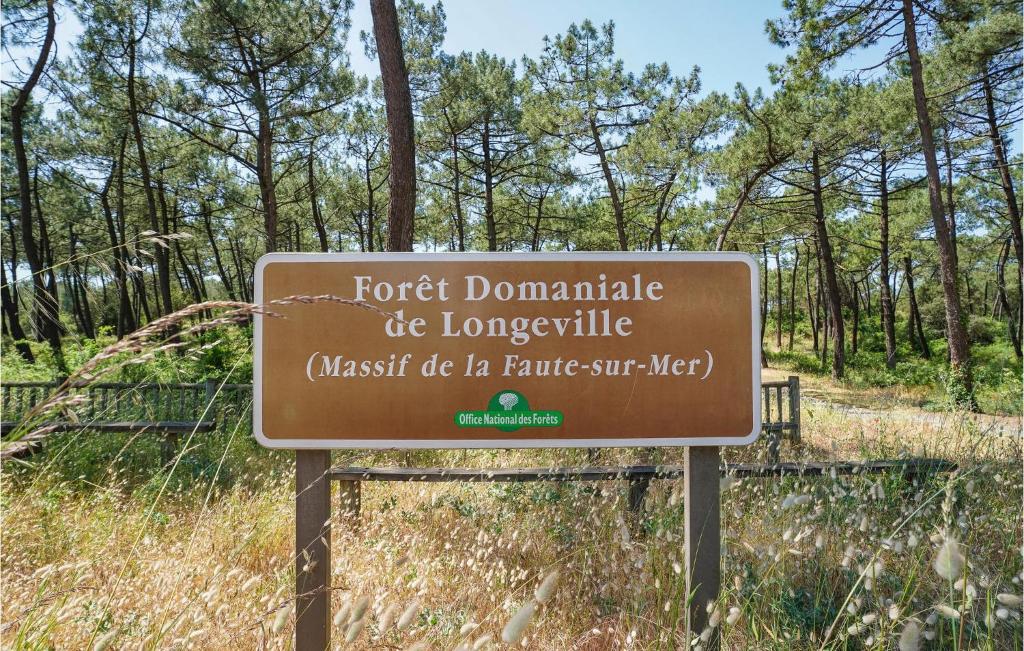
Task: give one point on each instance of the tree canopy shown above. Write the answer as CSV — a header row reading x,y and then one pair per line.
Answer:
x,y
180,140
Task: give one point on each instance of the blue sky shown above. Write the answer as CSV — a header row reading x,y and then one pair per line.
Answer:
x,y
726,39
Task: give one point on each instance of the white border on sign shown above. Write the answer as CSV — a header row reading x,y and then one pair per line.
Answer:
x,y
408,444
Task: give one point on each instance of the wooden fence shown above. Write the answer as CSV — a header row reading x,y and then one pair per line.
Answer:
x,y
126,401
173,407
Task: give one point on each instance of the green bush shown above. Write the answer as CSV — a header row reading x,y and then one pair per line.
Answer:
x,y
799,361
984,330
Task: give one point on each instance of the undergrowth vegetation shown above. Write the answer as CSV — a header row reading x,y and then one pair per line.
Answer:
x,y
110,545
922,382
107,548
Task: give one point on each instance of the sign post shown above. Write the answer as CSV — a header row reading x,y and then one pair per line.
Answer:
x,y
701,494
589,350
312,550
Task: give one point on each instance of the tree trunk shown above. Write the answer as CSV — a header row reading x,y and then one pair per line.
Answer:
x,y
371,213
162,255
48,273
12,322
613,190
120,261
79,302
1012,320
46,246
76,308
460,222
535,243
401,130
243,281
832,295
778,300
660,213
888,313
492,230
867,294
314,203
970,292
200,274
194,282
225,277
44,313
139,281
265,174
792,295
76,284
812,306
764,305
127,319
826,321
961,381
745,191
820,309
11,299
915,326
1005,178
950,206
141,300
856,317
83,286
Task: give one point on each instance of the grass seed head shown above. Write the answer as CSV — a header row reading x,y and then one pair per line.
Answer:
x,y
547,587
516,627
409,615
281,619
949,560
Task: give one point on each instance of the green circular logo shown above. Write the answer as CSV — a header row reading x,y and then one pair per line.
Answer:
x,y
508,400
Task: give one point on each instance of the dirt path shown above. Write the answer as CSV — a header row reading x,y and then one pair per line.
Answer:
x,y
997,425
822,393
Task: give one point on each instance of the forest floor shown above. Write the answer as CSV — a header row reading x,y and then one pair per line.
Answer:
x,y
892,403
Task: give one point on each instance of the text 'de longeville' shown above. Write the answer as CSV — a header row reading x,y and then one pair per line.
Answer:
x,y
506,350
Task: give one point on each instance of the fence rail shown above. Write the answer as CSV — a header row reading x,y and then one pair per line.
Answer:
x,y
127,401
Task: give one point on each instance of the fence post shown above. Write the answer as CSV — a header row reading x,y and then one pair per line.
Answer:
x,y
774,442
312,550
703,539
168,447
794,406
351,500
637,492
169,444
210,387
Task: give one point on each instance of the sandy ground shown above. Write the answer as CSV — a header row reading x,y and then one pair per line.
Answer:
x,y
824,393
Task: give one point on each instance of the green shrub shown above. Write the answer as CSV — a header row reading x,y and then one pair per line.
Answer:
x,y
983,329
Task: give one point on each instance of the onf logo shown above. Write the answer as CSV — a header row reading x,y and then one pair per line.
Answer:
x,y
507,411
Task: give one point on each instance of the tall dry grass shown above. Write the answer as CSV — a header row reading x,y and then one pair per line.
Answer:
x,y
105,548
845,562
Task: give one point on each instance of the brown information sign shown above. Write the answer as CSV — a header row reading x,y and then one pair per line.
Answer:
x,y
507,350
